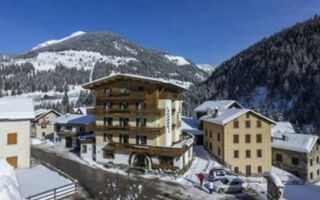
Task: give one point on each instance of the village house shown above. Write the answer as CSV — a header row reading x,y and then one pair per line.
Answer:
x,y
297,153
41,126
138,122
69,128
209,106
240,139
15,124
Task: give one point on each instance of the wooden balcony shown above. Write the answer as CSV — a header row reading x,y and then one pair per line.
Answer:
x,y
153,150
102,111
123,96
126,129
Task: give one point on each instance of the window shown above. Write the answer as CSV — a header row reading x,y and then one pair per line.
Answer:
x,y
236,153
124,122
236,169
140,88
206,144
12,138
124,91
317,159
219,151
124,106
82,129
259,169
311,175
206,132
318,172
259,153
210,146
108,154
279,157
259,138
235,138
248,139
210,134
235,124
84,148
141,140
43,134
141,105
141,122
108,105
124,139
311,162
259,124
295,161
218,137
166,160
248,154
109,121
107,91
13,161
247,115
248,124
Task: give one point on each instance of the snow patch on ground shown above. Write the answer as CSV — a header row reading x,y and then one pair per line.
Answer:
x,y
9,185
50,42
178,60
121,47
72,59
39,179
206,67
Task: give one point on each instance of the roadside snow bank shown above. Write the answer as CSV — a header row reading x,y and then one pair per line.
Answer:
x,y
9,186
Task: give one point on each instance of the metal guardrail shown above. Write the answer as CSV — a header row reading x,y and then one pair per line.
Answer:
x,y
56,193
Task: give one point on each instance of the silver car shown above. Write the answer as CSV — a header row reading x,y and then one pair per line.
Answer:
x,y
219,174
230,185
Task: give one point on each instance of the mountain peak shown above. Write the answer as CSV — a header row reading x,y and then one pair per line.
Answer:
x,y
49,42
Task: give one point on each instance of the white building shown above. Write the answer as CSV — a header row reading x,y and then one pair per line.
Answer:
x,y
41,126
15,123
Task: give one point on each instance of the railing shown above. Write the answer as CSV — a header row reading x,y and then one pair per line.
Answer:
x,y
100,110
157,150
56,193
122,95
126,129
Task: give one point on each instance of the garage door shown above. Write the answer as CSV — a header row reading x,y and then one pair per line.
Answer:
x,y
13,161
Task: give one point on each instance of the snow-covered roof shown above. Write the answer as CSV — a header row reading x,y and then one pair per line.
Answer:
x,y
294,142
159,80
74,119
14,108
191,126
42,112
226,115
211,105
282,127
83,110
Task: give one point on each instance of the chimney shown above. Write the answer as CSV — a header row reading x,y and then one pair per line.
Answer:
x,y
215,113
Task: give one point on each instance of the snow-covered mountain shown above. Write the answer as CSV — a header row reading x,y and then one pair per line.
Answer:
x,y
207,68
49,42
52,65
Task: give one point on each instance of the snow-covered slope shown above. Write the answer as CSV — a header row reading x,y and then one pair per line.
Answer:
x,y
49,42
206,67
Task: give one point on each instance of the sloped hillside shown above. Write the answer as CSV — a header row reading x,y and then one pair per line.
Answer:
x,y
280,74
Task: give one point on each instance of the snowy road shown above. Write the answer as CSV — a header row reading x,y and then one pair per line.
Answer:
x,y
94,180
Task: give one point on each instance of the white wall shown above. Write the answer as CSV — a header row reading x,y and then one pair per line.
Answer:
x,y
89,153
121,158
22,148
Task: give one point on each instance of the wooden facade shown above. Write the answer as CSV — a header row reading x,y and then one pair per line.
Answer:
x,y
133,107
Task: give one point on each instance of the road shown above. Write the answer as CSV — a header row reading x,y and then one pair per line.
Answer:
x,y
95,180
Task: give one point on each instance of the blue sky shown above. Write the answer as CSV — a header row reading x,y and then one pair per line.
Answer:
x,y
205,31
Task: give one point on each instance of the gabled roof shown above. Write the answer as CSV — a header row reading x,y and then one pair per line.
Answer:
x,y
74,119
43,112
282,127
211,105
133,77
16,108
191,126
294,142
226,115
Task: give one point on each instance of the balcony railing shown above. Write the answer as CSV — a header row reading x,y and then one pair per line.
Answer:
x,y
156,150
126,129
101,110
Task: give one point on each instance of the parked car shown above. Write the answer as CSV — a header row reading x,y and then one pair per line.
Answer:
x,y
219,173
230,185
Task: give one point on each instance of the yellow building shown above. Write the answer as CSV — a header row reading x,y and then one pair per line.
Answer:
x,y
138,122
240,139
